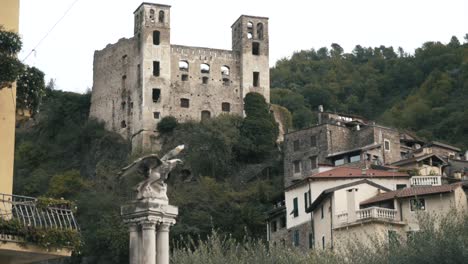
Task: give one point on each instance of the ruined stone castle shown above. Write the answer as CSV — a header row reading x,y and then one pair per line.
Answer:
x,y
138,81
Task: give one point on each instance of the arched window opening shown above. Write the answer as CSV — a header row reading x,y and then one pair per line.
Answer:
x,y
249,30
204,68
225,71
156,37
183,65
205,115
260,31
152,15
123,124
161,17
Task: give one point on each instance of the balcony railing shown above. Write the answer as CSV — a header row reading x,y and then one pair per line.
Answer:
x,y
426,180
342,218
376,213
26,211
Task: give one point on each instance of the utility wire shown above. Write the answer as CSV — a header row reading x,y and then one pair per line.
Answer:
x,y
51,29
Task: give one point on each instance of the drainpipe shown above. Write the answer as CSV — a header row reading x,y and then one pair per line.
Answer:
x,y
311,216
331,220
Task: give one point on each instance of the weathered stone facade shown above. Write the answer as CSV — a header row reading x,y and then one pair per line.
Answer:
x,y
349,142
140,80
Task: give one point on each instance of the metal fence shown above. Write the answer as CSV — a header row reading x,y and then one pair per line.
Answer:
x,y
27,213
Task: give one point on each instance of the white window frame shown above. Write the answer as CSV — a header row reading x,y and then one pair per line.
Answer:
x,y
385,143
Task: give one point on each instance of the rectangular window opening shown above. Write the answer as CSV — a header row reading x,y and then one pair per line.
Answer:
x,y
255,48
417,204
156,37
184,102
205,80
296,238
295,208
297,166
226,107
156,95
184,77
313,162
311,240
387,145
226,82
156,115
156,70
256,79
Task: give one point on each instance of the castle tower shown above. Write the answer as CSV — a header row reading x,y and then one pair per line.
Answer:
x,y
251,39
152,32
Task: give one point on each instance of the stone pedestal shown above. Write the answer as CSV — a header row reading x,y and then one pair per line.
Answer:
x,y
149,222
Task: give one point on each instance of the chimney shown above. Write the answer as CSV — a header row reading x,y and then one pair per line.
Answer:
x,y
364,171
351,205
319,114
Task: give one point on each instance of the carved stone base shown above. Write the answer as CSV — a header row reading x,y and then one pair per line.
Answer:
x,y
149,222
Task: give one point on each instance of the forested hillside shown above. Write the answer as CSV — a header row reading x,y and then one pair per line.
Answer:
x,y
231,172
425,92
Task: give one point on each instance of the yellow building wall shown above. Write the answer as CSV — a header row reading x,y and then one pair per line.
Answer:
x,y
9,19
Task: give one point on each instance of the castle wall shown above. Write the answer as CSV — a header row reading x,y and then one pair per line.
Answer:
x,y
115,97
150,79
219,88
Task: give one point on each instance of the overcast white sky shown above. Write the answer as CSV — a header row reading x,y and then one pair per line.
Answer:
x,y
67,53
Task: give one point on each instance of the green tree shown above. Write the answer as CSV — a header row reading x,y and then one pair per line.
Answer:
x,y
167,124
259,130
10,66
30,90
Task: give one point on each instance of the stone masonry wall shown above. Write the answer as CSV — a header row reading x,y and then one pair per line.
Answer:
x,y
115,97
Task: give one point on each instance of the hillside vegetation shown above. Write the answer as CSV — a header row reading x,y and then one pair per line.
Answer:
x,y
426,92
64,154
233,168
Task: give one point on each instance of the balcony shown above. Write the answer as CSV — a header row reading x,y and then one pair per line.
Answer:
x,y
36,229
376,213
367,214
426,181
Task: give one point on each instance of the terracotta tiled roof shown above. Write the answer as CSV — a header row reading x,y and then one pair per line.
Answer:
x,y
413,191
348,172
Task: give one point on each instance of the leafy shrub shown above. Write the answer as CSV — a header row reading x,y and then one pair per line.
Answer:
x,y
167,124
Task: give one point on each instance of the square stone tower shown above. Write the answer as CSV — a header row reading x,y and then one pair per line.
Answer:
x,y
140,80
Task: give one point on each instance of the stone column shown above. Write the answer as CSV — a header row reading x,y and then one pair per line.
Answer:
x,y
134,243
162,243
148,254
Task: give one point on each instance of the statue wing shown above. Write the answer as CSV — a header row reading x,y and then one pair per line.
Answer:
x,y
140,166
173,153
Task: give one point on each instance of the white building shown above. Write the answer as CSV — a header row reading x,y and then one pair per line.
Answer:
x,y
301,194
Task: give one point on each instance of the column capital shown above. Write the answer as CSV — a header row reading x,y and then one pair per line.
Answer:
x,y
148,225
132,227
164,226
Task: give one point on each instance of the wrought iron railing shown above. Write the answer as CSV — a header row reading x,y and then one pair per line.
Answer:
x,y
26,211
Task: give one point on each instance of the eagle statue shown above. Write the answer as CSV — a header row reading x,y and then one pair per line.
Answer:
x,y
156,172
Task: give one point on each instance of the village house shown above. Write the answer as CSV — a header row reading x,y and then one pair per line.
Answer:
x,y
363,211
343,154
